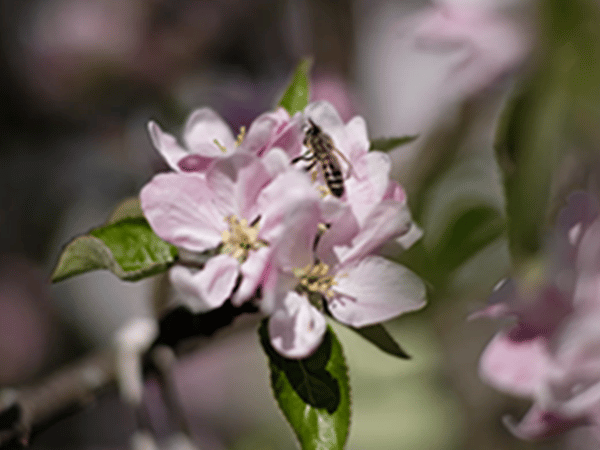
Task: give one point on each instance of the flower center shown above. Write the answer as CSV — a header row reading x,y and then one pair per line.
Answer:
x,y
240,238
238,140
314,279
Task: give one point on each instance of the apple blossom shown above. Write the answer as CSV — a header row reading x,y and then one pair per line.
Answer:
x,y
265,224
551,354
208,137
238,208
346,279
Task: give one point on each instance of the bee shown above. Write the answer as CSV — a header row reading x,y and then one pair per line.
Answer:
x,y
321,150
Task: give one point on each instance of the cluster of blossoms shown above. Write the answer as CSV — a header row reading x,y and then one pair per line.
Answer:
x,y
552,354
253,224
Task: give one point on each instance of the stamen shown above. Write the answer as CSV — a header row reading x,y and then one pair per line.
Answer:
x,y
241,136
221,146
314,278
241,238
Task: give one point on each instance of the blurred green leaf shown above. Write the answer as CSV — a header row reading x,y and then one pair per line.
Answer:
x,y
313,393
389,144
379,336
128,248
295,98
462,215
551,114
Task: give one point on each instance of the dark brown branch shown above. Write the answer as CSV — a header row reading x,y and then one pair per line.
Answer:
x,y
78,384
72,387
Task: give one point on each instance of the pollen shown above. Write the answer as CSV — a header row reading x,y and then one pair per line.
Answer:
x,y
315,278
324,191
240,238
240,136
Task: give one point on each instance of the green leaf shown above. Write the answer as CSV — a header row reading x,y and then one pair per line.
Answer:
x,y
389,144
295,98
381,338
128,248
313,393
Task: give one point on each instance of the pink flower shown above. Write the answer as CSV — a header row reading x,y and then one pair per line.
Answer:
x,y
355,286
242,207
208,137
366,178
552,354
266,224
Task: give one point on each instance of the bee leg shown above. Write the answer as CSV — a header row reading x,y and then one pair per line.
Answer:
x,y
304,157
310,166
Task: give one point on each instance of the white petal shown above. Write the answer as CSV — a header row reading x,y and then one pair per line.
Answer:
x,y
202,128
297,328
208,288
166,145
375,290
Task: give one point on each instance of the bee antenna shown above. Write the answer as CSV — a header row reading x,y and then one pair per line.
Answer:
x,y
314,128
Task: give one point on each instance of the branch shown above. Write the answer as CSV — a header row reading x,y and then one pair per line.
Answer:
x,y
72,387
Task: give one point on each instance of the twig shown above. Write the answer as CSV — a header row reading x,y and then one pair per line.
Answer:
x,y
72,387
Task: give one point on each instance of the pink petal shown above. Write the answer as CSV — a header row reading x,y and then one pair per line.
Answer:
x,y
264,131
395,192
375,290
369,183
296,329
340,233
208,288
413,234
251,180
539,424
358,140
290,137
222,179
254,272
202,128
389,219
181,209
515,367
290,218
166,145
276,161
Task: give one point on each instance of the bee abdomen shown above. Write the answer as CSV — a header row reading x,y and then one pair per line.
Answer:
x,y
333,178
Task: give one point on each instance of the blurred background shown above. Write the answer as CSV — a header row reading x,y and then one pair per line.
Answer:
x,y
81,78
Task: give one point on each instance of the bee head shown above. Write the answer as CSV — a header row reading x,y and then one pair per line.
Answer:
x,y
311,128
